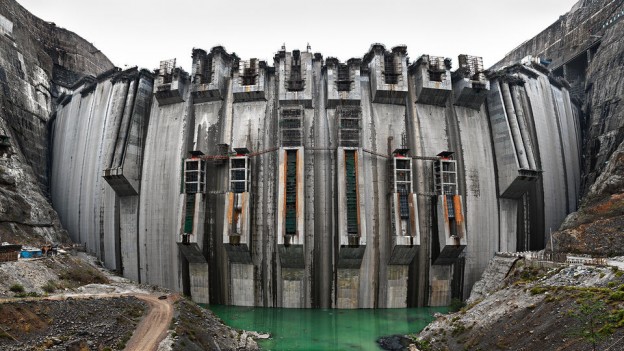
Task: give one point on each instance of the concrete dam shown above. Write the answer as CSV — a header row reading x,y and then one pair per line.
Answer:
x,y
372,183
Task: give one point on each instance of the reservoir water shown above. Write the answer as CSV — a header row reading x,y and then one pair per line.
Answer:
x,y
325,329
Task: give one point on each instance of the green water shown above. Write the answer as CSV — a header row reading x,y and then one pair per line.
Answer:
x,y
316,329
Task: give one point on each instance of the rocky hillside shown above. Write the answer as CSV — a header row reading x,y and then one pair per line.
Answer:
x,y
597,228
534,306
37,60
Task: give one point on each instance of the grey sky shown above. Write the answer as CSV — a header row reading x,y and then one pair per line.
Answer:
x,y
143,32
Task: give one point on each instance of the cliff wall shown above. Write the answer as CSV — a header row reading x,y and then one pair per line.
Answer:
x,y
35,57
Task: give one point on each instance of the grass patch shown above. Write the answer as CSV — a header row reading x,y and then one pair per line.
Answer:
x,y
536,290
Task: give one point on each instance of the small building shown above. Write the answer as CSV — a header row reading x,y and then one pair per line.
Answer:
x,y
9,253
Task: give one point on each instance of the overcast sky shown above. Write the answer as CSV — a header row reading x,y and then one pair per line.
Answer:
x,y
144,32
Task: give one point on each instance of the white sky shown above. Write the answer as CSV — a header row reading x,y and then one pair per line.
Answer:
x,y
144,32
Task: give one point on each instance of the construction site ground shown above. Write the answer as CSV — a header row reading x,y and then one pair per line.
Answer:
x,y
68,302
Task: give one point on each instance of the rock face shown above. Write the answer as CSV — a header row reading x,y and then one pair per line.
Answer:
x,y
598,227
37,60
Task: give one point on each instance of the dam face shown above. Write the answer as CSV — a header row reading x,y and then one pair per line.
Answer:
x,y
371,183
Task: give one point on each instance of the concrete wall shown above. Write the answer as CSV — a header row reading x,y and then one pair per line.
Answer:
x,y
136,226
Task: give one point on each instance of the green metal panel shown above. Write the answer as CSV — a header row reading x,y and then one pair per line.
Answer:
x,y
351,182
190,210
291,192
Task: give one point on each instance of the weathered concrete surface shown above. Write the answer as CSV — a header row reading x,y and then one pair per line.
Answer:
x,y
323,263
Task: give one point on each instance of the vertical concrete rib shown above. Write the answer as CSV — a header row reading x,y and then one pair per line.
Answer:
x,y
542,106
513,125
323,230
524,130
480,194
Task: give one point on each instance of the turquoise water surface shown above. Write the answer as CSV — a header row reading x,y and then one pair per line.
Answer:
x,y
325,329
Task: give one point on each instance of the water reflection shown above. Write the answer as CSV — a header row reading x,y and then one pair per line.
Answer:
x,y
315,329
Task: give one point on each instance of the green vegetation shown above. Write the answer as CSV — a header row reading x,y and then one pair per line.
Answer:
x,y
78,275
121,344
422,345
536,290
49,287
593,321
617,296
17,288
456,305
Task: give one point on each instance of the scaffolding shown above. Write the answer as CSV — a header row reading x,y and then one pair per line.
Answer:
x,y
207,70
249,72
239,173
195,174
445,180
166,70
295,80
343,80
392,68
291,124
473,67
402,181
437,68
349,125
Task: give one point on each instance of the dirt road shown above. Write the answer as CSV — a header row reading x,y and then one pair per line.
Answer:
x,y
153,328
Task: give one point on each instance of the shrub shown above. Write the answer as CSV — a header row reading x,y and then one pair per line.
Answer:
x,y
49,287
456,305
17,288
83,275
617,296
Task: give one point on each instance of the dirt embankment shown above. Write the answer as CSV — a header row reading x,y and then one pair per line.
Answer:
x,y
72,324
196,328
69,303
